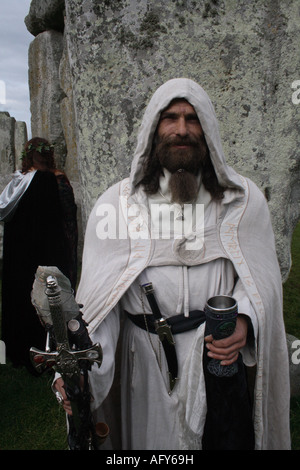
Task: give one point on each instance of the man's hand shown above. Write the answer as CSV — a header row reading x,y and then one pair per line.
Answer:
x,y
59,386
227,350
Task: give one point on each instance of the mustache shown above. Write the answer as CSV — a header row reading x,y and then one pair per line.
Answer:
x,y
170,141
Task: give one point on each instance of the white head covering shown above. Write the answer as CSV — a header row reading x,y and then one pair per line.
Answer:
x,y
198,98
132,256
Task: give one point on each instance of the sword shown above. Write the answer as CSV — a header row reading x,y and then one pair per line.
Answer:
x,y
72,363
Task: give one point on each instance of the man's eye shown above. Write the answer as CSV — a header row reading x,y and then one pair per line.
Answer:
x,y
168,116
193,118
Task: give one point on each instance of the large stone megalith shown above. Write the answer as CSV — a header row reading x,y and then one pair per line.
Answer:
x,y
46,94
13,135
244,54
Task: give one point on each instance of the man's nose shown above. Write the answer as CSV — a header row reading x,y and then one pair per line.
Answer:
x,y
181,128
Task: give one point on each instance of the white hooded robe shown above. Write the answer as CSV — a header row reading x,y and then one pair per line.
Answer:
x,y
238,258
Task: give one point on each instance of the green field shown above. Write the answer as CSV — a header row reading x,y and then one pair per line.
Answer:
x,y
30,418
291,309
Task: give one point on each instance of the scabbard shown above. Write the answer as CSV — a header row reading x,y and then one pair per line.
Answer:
x,y
149,291
163,329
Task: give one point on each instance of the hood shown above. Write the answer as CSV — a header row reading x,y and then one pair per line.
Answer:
x,y
198,98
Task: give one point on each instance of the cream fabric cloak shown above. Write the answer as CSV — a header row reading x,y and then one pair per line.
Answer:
x,y
111,265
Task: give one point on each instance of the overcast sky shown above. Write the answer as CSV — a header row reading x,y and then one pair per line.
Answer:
x,y
14,44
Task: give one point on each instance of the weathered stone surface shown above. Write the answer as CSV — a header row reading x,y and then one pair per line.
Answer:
x,y
67,117
13,135
246,56
46,95
68,122
51,102
21,138
44,15
7,144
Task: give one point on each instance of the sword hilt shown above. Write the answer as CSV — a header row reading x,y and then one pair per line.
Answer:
x,y
59,325
65,361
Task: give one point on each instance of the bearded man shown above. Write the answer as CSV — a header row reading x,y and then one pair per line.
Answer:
x,y
179,164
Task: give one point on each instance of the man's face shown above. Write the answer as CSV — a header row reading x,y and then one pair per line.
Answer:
x,y
180,139
180,145
180,120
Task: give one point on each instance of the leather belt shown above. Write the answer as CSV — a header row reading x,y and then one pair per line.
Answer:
x,y
178,323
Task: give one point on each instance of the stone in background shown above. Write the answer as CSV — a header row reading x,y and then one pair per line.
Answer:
x,y
45,53
51,98
13,135
107,58
21,138
244,54
7,148
44,15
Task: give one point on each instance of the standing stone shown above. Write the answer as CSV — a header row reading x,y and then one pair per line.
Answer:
x,y
21,138
44,15
68,123
67,117
51,94
13,136
45,53
7,144
243,53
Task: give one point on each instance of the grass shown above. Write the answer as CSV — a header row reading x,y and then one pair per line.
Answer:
x,y
30,418
291,289
291,309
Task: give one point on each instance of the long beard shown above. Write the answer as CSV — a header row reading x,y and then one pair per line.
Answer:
x,y
183,164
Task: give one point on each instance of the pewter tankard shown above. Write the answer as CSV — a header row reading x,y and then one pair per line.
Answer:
x,y
221,314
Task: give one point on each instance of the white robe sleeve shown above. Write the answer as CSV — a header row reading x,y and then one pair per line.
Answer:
x,y
101,378
245,308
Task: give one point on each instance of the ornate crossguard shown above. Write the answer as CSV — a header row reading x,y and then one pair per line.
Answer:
x,y
64,360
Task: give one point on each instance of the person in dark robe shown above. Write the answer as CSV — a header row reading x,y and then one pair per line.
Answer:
x,y
40,229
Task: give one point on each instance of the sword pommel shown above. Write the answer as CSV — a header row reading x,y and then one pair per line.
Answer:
x,y
52,290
